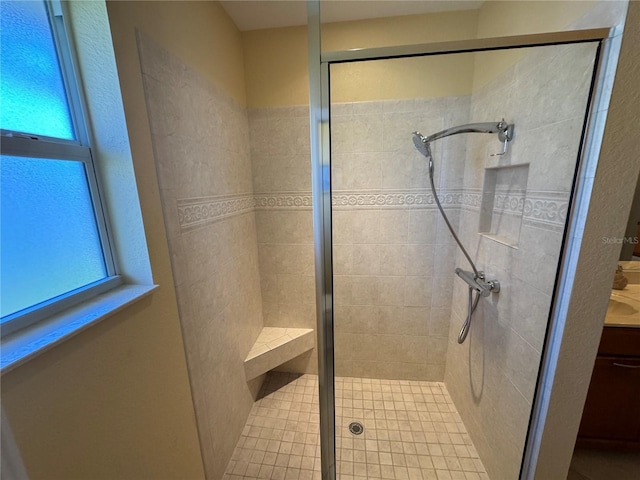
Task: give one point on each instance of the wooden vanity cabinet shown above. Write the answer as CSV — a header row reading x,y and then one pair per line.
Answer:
x,y
611,416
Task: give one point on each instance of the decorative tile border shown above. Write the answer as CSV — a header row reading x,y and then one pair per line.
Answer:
x,y
547,210
510,202
200,211
345,200
393,199
547,206
284,200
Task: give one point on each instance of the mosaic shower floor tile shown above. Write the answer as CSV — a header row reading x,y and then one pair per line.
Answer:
x,y
410,431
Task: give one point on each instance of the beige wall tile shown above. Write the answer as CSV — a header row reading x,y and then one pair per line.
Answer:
x,y
492,376
422,227
374,248
420,260
393,259
386,256
438,321
219,294
416,320
390,319
343,227
364,225
417,291
393,226
279,140
397,168
366,259
297,315
364,290
391,291
285,226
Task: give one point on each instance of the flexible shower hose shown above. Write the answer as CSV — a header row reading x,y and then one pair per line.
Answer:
x,y
473,302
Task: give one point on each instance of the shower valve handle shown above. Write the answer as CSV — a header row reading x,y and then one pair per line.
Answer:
x,y
479,284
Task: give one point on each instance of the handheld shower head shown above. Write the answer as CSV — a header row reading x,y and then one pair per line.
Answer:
x,y
421,144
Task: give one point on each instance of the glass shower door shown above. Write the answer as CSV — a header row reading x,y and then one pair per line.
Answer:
x,y
412,402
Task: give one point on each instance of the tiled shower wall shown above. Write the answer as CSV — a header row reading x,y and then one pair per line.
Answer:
x,y
202,158
492,376
282,184
393,258
392,254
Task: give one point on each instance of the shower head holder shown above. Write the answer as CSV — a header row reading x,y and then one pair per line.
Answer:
x,y
505,134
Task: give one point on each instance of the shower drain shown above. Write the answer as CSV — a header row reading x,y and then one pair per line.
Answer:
x,y
356,428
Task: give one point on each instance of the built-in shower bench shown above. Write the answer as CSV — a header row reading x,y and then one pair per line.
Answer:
x,y
275,346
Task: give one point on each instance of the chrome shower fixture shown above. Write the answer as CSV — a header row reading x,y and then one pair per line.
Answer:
x,y
422,144
502,128
476,279
479,283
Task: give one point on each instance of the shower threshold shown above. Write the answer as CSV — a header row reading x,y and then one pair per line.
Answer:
x,y
412,431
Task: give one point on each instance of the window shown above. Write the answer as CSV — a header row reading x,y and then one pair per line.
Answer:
x,y
54,243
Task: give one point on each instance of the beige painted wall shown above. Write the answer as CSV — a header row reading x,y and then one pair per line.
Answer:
x,y
403,78
498,18
405,30
504,18
199,33
110,403
276,66
114,402
276,60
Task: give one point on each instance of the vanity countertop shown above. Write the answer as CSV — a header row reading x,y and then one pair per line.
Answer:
x,y
624,307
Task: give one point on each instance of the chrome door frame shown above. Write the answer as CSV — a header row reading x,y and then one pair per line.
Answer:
x,y
321,199
319,111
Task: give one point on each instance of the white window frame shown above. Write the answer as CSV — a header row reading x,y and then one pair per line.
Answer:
x,y
23,144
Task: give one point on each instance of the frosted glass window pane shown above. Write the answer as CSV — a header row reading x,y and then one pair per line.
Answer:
x,y
31,86
49,242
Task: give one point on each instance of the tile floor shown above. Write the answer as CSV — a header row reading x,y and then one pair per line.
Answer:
x,y
411,432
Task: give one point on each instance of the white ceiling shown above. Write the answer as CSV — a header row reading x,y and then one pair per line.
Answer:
x,y
253,15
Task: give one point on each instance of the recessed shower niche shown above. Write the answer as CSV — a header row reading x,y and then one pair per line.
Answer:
x,y
503,198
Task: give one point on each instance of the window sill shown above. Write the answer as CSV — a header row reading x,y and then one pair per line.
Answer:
x,y
22,346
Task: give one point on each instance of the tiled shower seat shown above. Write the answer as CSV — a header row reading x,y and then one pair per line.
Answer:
x,y
275,346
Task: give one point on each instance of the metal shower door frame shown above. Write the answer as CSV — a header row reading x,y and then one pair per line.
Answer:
x,y
319,111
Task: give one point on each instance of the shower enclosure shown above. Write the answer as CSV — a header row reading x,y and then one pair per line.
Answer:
x,y
398,224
